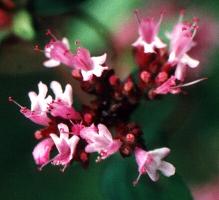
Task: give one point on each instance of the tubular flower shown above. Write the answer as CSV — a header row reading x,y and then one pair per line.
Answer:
x,y
66,146
38,111
62,105
58,52
181,41
148,35
151,161
41,152
100,140
168,86
88,65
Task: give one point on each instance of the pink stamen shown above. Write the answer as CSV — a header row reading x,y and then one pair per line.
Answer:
x,y
10,99
49,33
137,14
135,182
190,83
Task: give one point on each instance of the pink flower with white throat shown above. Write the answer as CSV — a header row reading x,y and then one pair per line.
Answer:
x,y
39,102
100,140
148,34
151,161
88,65
62,105
181,41
65,145
58,52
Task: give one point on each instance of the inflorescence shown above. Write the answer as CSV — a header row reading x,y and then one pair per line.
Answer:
x,y
104,126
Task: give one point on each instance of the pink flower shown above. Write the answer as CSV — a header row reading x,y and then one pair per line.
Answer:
x,y
181,41
58,52
100,140
88,65
38,111
150,162
66,146
168,86
148,35
62,105
41,152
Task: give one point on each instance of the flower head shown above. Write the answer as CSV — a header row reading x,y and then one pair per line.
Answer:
x,y
100,140
150,162
88,65
66,146
148,35
62,105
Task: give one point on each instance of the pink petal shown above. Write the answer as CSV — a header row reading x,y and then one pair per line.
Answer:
x,y
160,153
141,157
167,168
99,59
190,61
41,152
51,63
152,173
104,132
66,42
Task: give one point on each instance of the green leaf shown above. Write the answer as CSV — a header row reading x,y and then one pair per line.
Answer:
x,y
22,25
117,184
151,115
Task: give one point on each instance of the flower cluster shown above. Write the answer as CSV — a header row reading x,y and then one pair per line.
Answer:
x,y
104,126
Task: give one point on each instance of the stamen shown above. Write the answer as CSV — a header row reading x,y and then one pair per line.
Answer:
x,y
190,83
161,18
10,99
136,181
137,14
71,122
49,33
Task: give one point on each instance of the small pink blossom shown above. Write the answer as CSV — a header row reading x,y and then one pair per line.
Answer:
x,y
62,105
58,52
148,35
39,102
168,86
100,140
88,65
151,161
41,152
66,146
181,41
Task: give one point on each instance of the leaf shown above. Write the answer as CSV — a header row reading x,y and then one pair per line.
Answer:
x,y
151,115
117,184
22,25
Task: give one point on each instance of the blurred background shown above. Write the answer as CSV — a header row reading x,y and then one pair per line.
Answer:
x,y
188,124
